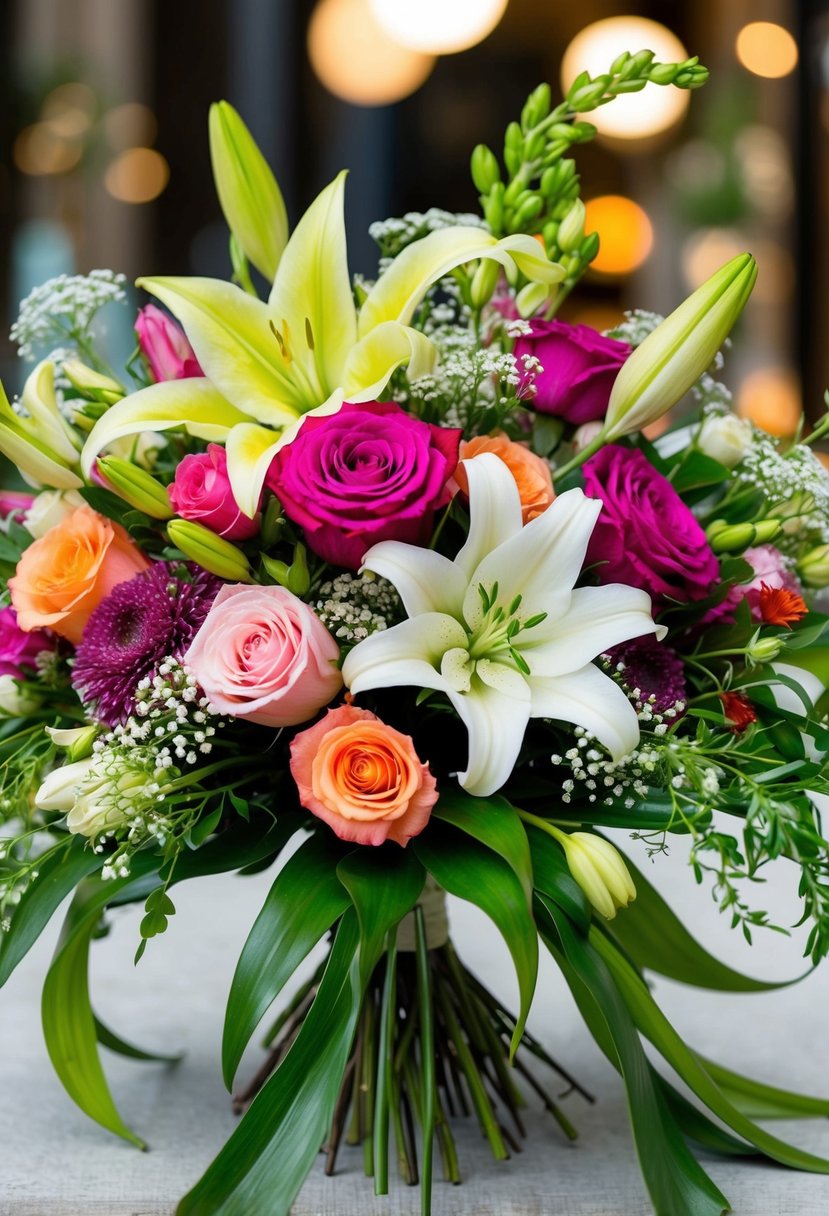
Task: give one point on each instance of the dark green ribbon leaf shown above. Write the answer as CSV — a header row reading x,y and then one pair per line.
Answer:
x,y
107,1038
384,884
760,1101
495,823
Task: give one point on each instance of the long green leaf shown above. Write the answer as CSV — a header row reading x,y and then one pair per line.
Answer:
x,y
760,1101
113,1042
654,937
476,873
495,823
677,1183
304,902
384,884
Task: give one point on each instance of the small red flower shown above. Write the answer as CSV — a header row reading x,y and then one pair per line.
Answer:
x,y
779,606
738,711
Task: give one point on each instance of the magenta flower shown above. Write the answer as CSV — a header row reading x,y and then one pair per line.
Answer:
x,y
645,534
579,367
650,669
368,473
19,649
164,346
201,492
15,503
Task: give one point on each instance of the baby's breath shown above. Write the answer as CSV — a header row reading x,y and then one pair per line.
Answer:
x,y
60,311
352,606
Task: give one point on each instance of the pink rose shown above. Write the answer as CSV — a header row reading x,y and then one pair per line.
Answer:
x,y
164,345
263,655
201,491
15,503
579,366
18,648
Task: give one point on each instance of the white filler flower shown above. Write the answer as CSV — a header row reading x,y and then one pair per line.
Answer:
x,y
503,631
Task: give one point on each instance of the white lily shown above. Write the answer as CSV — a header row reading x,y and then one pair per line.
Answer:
x,y
503,631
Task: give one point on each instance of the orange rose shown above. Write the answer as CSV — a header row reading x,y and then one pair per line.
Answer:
x,y
531,473
62,577
362,777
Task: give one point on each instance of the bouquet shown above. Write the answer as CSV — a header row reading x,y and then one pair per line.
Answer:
x,y
386,582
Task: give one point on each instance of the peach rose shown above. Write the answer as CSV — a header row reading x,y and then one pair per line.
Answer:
x,y
62,577
531,473
363,777
262,654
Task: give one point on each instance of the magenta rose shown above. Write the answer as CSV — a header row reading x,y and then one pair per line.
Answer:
x,y
201,491
164,345
579,366
645,534
19,649
368,473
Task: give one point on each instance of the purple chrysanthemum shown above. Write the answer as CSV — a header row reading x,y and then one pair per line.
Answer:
x,y
649,669
139,624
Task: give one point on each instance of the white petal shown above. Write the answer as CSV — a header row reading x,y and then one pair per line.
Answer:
x,y
598,618
426,581
541,562
590,699
407,654
494,509
503,678
496,726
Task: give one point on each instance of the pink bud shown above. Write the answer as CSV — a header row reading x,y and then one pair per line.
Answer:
x,y
14,503
201,492
164,346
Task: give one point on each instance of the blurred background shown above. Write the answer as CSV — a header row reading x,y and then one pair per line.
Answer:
x,y
105,161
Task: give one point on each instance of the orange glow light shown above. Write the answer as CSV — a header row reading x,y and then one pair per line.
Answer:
x,y
770,397
766,49
355,58
625,233
137,176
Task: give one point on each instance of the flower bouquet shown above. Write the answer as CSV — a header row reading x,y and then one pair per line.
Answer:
x,y
386,583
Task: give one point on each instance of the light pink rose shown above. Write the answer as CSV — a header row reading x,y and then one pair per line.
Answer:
x,y
201,492
164,345
263,655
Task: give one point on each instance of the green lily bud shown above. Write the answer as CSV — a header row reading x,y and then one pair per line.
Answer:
x,y
734,538
529,207
485,169
587,97
212,552
763,650
92,384
813,568
571,229
484,282
675,354
250,198
75,741
589,248
513,148
599,870
530,298
662,73
136,486
273,522
639,63
536,107
619,63
493,206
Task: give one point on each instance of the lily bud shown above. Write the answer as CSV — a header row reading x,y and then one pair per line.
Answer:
x,y
210,551
137,487
675,354
92,384
45,419
571,229
763,650
599,870
734,538
59,789
484,282
250,198
16,699
813,568
75,741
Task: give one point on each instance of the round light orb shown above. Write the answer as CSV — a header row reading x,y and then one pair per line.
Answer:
x,y
625,233
706,250
766,49
355,58
770,397
437,27
137,176
631,115
40,152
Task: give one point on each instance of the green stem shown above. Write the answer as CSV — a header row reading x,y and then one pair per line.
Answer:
x,y
576,461
427,1061
544,825
385,1070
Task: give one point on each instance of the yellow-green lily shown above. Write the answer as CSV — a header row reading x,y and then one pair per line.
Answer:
x,y
41,443
307,349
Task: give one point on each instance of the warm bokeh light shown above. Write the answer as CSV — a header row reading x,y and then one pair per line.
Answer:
x,y
707,250
625,233
355,58
69,109
437,27
597,316
766,49
39,151
770,397
137,176
130,125
765,165
632,115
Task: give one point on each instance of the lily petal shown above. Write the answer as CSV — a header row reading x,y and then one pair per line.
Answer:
x,y
407,654
372,361
598,618
426,581
496,724
311,303
494,513
590,699
230,332
38,397
250,449
397,293
503,678
555,541
194,406
37,464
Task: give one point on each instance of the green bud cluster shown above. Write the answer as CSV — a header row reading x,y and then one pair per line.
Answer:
x,y
735,538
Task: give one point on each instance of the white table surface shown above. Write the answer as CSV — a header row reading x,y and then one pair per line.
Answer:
x,y
54,1162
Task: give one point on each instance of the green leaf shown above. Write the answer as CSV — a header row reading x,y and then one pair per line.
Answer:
x,y
697,471
553,878
384,884
654,937
264,1163
304,902
107,1038
677,1183
58,874
760,1101
494,822
475,873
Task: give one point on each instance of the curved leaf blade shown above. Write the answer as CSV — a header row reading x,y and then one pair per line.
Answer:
x,y
384,884
494,822
760,1101
113,1042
